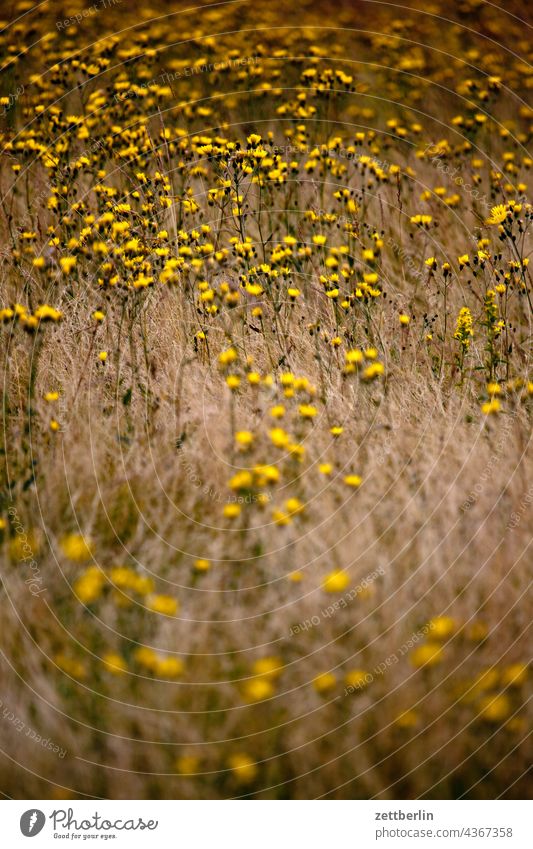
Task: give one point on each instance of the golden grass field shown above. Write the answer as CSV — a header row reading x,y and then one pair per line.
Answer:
x,y
267,485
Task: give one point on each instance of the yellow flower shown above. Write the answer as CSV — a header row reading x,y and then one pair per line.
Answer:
x,y
20,547
281,518
258,689
336,581
233,381
307,411
231,511
336,431
121,576
102,356
427,655
495,708
407,719
325,468
294,505
268,666
51,396
67,263
47,313
421,220
514,675
516,725
244,438
491,407
279,437
477,632
463,328
227,357
146,657
354,356
164,604
498,214
168,667
372,371
54,425
266,474
202,565
325,682
486,680
353,481
142,584
98,315
404,319
187,764
243,767
114,663
297,450
88,587
357,678
71,666
76,547
295,577
242,480
442,627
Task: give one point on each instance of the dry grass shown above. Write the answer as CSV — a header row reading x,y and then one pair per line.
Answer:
x,y
434,545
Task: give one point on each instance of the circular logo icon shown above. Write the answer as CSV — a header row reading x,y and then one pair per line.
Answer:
x,y
32,822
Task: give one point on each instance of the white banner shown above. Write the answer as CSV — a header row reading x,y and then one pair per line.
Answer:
x,y
268,824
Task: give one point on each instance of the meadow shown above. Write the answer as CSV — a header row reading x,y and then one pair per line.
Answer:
x,y
266,315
